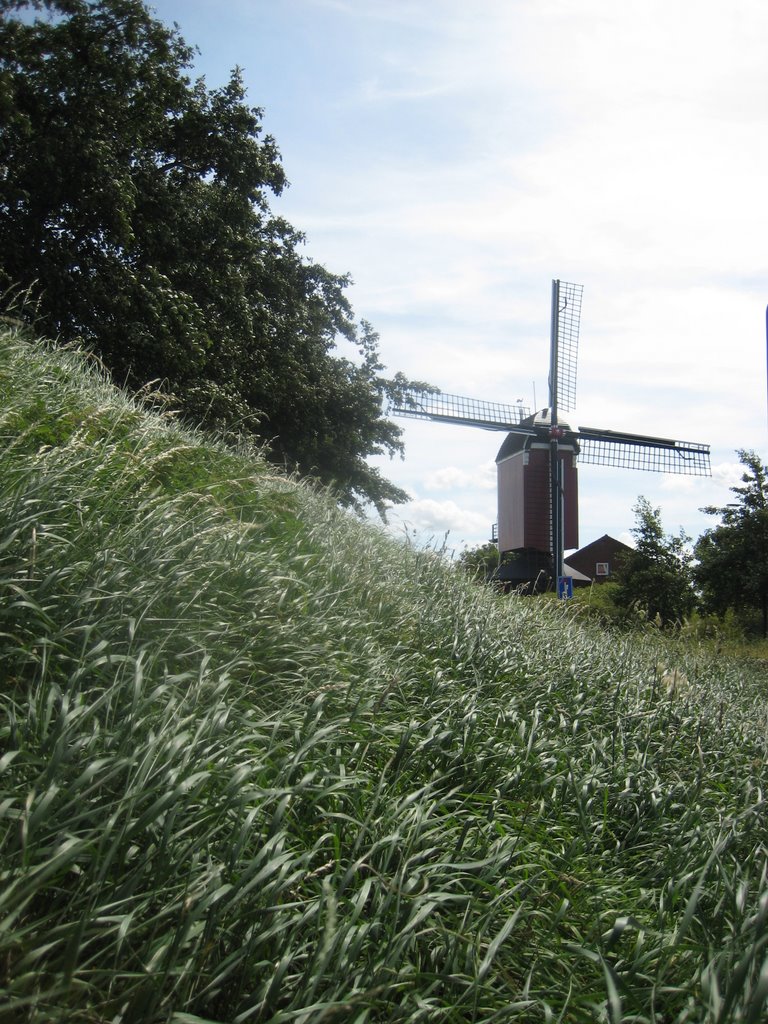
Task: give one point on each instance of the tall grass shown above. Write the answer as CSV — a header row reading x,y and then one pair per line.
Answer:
x,y
260,762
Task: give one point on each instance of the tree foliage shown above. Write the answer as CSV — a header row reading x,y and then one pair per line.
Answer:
x,y
480,562
732,570
656,574
134,205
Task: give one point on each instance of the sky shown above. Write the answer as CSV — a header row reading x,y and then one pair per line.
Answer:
x,y
455,156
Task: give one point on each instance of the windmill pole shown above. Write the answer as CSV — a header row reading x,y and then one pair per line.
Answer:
x,y
556,482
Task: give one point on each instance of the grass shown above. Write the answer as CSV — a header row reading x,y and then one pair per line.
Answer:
x,y
262,763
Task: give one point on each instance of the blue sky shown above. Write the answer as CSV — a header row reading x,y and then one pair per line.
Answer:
x,y
456,156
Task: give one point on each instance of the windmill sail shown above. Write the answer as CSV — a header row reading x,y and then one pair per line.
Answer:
x,y
638,451
564,345
469,412
566,318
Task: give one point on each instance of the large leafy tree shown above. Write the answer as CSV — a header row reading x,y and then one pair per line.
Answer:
x,y
732,569
134,208
656,574
480,562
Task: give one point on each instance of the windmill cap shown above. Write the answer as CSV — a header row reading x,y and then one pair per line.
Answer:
x,y
543,418
539,425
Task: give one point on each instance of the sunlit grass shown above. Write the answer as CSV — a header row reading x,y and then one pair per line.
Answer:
x,y
260,762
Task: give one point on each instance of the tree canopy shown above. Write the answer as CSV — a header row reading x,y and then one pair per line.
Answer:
x,y
656,573
134,208
480,562
732,569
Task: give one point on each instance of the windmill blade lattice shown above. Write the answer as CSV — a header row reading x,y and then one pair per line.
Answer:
x,y
565,352
637,451
469,412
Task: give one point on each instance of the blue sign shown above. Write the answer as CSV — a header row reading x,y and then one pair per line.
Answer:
x,y
565,586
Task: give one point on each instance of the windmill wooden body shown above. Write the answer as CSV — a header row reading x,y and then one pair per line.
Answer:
x,y
537,462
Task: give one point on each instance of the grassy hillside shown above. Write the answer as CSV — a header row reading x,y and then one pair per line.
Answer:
x,y
260,762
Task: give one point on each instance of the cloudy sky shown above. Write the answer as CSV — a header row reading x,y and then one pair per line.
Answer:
x,y
454,156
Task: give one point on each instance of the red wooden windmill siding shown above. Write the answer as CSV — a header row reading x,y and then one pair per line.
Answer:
x,y
524,482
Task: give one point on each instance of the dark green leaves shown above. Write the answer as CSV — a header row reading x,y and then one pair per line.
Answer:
x,y
656,574
732,568
134,203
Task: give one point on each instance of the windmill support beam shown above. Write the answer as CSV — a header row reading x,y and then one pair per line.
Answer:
x,y
556,468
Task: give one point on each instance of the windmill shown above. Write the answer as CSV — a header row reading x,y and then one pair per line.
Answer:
x,y
536,464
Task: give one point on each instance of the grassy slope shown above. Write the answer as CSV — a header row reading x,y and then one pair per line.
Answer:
x,y
262,763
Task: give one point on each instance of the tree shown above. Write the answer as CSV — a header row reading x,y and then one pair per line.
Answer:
x,y
656,574
732,569
134,205
480,562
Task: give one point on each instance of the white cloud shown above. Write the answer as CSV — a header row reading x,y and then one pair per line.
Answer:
x,y
727,475
452,478
432,521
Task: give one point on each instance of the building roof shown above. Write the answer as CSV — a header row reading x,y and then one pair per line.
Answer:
x,y
606,541
605,549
